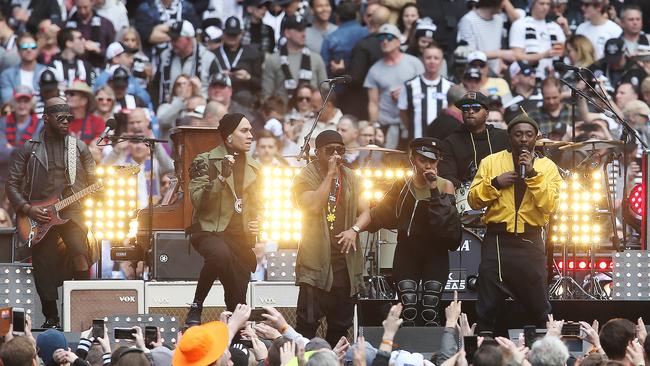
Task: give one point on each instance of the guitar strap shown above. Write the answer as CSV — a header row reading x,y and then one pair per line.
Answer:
x,y
71,158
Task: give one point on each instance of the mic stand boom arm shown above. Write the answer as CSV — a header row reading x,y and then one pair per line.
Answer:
x,y
607,111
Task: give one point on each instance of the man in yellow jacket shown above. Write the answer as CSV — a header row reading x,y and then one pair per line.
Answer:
x,y
520,192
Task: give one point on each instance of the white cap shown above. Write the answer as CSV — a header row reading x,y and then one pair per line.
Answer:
x,y
182,29
476,55
406,358
213,33
197,112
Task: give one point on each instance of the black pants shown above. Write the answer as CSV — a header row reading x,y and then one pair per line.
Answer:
x,y
417,267
53,263
335,305
512,266
221,261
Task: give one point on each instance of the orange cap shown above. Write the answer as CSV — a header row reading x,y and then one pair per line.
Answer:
x,y
201,345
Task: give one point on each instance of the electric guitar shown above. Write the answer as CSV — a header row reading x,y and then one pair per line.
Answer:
x,y
32,232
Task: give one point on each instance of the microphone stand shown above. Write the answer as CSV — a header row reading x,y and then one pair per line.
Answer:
x,y
304,150
151,144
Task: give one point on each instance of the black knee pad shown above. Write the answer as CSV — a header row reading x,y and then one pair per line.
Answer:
x,y
408,296
430,300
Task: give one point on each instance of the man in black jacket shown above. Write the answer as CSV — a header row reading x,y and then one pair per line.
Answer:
x,y
39,169
422,210
463,150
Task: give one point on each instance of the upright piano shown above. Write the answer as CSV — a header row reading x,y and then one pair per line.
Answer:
x,y
188,142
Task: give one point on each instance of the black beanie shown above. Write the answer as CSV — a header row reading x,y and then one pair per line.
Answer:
x,y
328,137
229,123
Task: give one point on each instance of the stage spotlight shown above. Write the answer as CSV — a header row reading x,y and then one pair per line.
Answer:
x,y
281,221
376,182
111,211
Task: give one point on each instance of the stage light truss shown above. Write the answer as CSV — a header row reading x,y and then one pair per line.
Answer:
x,y
281,220
576,220
111,213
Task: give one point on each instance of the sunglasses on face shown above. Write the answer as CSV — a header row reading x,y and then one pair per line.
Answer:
x,y
584,5
386,37
64,118
28,46
340,150
104,99
479,64
471,107
303,99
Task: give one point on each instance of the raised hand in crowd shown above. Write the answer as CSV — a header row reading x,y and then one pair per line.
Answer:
x,y
274,319
465,328
518,354
139,338
591,334
287,353
259,349
554,327
458,359
452,312
341,347
64,356
634,353
641,331
238,319
105,341
359,352
391,325
266,331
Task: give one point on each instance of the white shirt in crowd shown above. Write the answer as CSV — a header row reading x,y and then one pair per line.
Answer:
x,y
27,78
482,35
536,36
599,34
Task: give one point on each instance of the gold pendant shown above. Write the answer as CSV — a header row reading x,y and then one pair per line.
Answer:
x,y
331,217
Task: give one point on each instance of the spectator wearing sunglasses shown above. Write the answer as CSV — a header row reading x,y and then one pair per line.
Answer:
x,y
26,73
463,150
85,125
385,81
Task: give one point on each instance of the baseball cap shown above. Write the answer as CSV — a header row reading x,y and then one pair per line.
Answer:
x,y
476,56
258,3
614,49
181,28
429,147
473,97
212,33
23,91
117,48
48,80
232,26
559,128
220,79
197,112
389,29
294,22
201,345
425,28
472,73
521,67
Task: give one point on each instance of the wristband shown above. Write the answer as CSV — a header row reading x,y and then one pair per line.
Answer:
x,y
284,328
388,342
221,178
356,229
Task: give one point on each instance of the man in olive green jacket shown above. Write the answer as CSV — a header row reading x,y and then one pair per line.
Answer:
x,y
328,271
224,193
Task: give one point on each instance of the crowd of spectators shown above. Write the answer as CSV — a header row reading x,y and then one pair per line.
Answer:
x,y
188,62
236,341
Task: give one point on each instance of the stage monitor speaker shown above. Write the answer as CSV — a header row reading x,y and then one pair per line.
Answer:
x,y
424,340
173,298
174,258
84,301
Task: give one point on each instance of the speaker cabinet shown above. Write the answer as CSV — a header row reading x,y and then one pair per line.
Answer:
x,y
174,298
174,258
87,300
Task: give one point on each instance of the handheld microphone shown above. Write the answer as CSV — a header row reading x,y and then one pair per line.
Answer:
x,y
111,124
522,166
344,79
429,176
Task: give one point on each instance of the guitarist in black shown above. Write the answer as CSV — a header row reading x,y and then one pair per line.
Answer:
x,y
43,168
